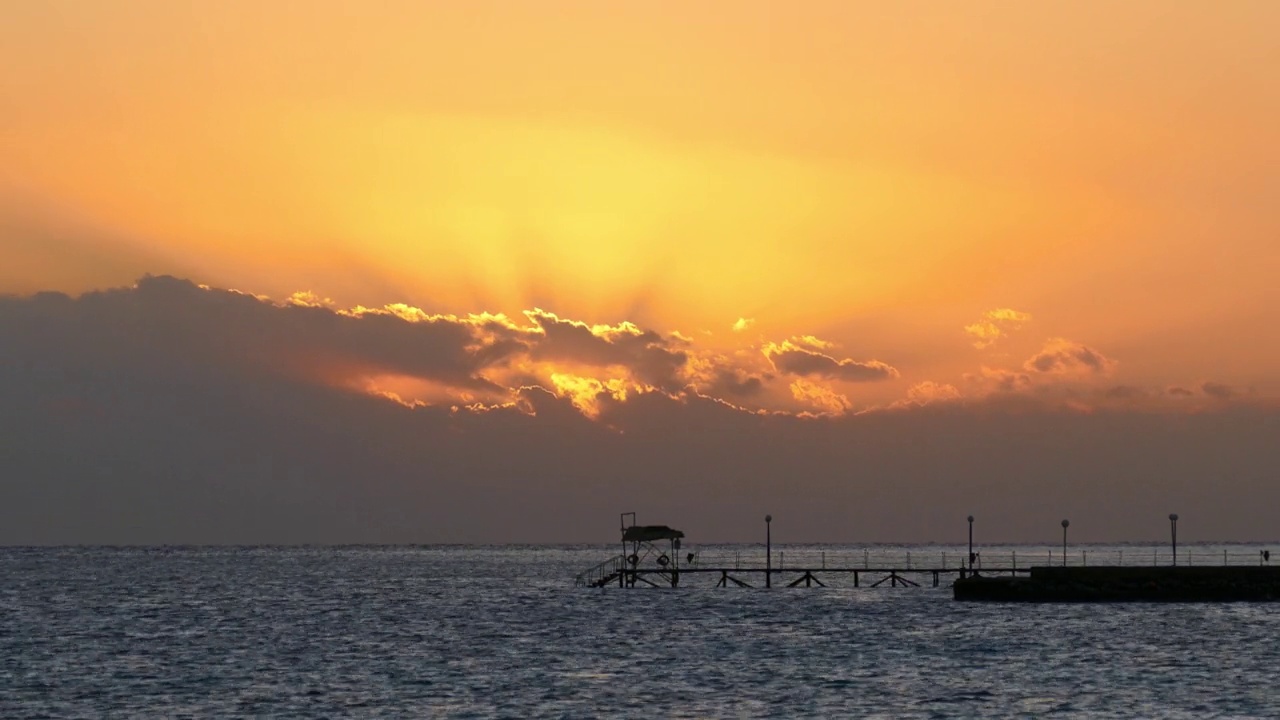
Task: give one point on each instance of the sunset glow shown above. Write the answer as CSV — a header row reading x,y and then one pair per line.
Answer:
x,y
815,212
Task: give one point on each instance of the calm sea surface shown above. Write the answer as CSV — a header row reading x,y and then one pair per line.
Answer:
x,y
481,632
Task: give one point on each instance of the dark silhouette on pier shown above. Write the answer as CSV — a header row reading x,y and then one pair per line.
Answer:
x,y
651,557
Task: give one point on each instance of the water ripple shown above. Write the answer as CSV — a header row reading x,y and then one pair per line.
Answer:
x,y
499,632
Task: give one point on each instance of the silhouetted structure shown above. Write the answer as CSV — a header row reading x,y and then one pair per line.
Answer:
x,y
651,557
1127,584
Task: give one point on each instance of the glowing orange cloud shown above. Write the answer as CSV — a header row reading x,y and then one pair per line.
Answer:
x,y
996,324
803,356
673,173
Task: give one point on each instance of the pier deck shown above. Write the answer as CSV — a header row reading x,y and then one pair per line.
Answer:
x,y
616,573
652,556
809,568
1230,583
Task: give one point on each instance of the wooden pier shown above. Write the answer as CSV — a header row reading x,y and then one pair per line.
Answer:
x,y
615,572
651,557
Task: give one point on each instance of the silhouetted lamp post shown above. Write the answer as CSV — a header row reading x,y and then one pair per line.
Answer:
x,y
1065,523
768,551
970,542
1173,529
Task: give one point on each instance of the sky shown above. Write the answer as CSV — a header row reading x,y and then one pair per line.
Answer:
x,y
498,271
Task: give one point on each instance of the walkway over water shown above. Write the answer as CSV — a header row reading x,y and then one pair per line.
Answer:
x,y
882,568
652,556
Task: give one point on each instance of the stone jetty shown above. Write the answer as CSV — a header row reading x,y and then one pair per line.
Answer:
x,y
1126,584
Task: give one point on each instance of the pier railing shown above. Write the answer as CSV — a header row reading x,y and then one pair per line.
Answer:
x,y
603,573
874,567
990,559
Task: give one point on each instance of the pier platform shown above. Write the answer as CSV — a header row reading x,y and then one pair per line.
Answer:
x,y
655,556
1126,584
617,573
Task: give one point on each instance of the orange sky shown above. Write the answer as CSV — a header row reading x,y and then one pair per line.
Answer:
x,y
878,176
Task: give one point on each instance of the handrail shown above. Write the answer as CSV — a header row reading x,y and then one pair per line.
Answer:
x,y
1002,559
951,560
606,569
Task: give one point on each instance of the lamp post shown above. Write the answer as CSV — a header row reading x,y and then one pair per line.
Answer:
x,y
1065,523
970,543
1173,530
768,551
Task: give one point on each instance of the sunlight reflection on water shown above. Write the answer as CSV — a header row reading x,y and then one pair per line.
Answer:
x,y
502,632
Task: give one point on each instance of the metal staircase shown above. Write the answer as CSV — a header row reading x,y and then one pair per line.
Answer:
x,y
606,573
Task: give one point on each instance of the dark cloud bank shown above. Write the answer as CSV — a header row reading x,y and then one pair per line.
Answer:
x,y
170,414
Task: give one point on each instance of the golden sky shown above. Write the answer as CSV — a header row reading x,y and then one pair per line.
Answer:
x,y
971,195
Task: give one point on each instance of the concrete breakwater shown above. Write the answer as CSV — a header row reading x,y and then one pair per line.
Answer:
x,y
1126,584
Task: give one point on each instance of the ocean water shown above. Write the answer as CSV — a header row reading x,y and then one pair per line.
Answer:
x,y
501,632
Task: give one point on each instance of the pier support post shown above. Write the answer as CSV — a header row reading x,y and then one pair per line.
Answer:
x,y
1065,523
970,542
808,579
768,551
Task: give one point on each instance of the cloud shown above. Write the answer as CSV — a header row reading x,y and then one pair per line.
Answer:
x,y
645,353
306,298
1078,391
811,342
826,400
166,320
1060,356
162,443
1125,392
397,351
929,391
1000,380
733,383
1218,391
588,394
995,325
170,413
742,324
404,354
798,356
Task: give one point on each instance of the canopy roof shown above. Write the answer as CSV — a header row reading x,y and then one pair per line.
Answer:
x,y
649,533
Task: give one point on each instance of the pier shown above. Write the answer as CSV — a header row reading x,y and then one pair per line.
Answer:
x,y
1225,583
616,572
653,556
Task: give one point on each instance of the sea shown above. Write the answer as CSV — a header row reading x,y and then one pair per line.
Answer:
x,y
504,632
